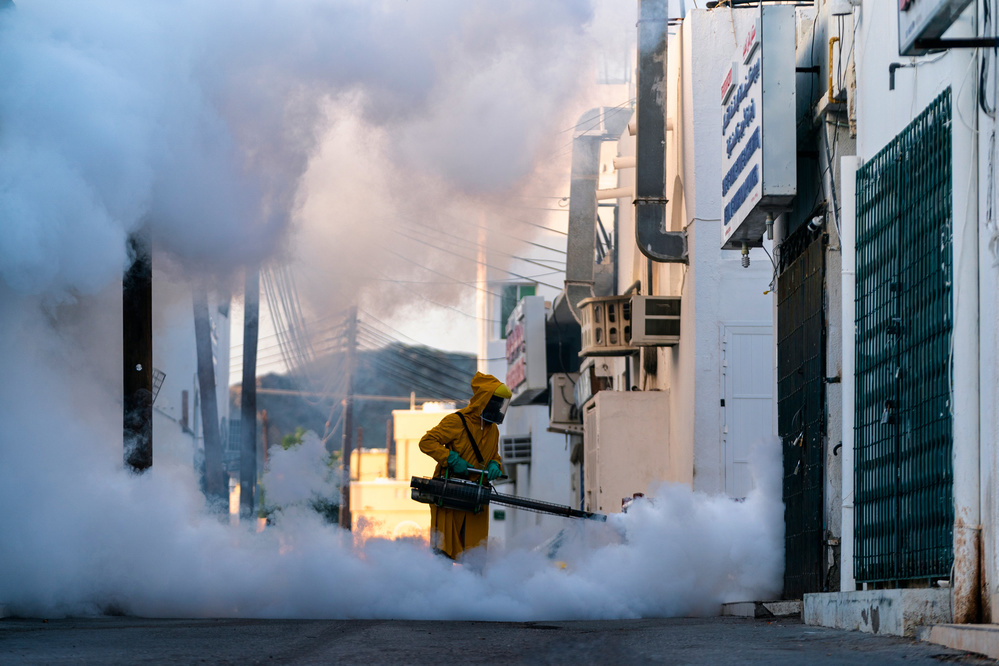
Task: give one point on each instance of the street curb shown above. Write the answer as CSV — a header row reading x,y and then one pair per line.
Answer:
x,y
978,638
761,609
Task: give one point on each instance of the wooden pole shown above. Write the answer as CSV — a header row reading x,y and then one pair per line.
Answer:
x,y
348,421
248,401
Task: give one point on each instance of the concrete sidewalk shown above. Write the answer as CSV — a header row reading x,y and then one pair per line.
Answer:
x,y
979,638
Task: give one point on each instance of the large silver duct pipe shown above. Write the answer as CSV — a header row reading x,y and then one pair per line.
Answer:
x,y
603,124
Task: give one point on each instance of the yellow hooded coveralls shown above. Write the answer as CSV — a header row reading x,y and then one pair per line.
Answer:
x,y
451,531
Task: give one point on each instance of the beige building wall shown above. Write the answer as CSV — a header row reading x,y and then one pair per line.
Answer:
x,y
381,506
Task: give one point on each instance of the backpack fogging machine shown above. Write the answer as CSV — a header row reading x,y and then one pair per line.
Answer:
x,y
473,496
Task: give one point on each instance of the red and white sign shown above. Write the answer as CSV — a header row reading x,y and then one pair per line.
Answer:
x,y
752,43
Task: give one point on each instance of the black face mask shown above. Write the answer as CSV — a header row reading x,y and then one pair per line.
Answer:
x,y
495,409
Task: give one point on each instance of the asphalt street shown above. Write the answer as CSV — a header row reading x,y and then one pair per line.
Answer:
x,y
718,640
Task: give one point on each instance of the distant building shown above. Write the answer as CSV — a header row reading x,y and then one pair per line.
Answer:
x,y
380,502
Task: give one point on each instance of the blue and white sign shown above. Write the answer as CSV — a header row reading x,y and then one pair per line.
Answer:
x,y
758,172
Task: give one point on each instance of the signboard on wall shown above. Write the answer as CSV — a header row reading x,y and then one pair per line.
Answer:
x,y
526,362
925,19
757,96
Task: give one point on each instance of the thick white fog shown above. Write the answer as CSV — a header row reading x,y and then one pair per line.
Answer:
x,y
204,121
83,536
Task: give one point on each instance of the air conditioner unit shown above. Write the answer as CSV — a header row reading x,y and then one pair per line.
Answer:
x,y
595,375
515,449
606,326
563,416
655,321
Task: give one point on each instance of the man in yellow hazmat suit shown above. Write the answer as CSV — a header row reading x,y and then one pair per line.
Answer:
x,y
466,438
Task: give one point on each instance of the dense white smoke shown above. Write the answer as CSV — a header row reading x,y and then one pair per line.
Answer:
x,y
201,119
83,536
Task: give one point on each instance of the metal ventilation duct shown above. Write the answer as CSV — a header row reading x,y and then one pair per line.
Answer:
x,y
602,124
653,239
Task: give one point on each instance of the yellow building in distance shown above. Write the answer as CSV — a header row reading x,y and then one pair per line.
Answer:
x,y
380,501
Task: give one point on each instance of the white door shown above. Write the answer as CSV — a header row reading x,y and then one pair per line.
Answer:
x,y
746,399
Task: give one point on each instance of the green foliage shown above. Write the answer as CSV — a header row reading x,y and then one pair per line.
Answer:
x,y
295,439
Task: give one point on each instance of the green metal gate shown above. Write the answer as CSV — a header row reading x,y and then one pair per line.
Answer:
x,y
801,407
903,509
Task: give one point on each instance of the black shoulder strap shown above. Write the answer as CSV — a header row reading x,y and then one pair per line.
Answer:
x,y
475,447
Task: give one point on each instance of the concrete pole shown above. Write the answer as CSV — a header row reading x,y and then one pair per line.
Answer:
x,y
481,304
248,399
965,366
988,277
848,282
215,483
137,354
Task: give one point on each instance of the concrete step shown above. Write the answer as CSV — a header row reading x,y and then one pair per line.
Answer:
x,y
762,608
980,638
892,612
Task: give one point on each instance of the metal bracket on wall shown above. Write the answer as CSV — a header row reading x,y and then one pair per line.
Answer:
x,y
971,43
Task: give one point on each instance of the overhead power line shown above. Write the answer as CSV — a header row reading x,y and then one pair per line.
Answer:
x,y
497,268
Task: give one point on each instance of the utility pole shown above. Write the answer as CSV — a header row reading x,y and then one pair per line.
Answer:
x,y
137,353
214,482
481,304
348,420
264,423
248,401
390,447
359,449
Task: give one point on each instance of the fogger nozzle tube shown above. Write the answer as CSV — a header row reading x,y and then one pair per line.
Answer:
x,y
474,497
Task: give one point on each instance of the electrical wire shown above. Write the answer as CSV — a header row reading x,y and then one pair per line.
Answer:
x,y
475,260
492,251
468,283
474,285
487,228
447,307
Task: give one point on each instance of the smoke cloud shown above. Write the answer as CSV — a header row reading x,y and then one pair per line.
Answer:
x,y
200,119
234,131
82,536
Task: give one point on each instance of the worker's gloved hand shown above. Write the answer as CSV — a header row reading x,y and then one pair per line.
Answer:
x,y
493,471
456,463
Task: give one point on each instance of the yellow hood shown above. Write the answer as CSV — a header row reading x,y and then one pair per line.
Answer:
x,y
483,387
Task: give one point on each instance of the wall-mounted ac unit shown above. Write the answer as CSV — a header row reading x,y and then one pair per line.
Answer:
x,y
655,321
595,375
606,326
515,449
563,416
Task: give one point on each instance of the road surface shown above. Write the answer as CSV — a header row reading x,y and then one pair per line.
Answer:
x,y
717,640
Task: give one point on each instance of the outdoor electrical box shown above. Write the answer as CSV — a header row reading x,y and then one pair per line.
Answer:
x,y
626,448
757,95
655,321
606,326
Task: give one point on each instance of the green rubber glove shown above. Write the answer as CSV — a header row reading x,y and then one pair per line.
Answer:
x,y
493,470
456,463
